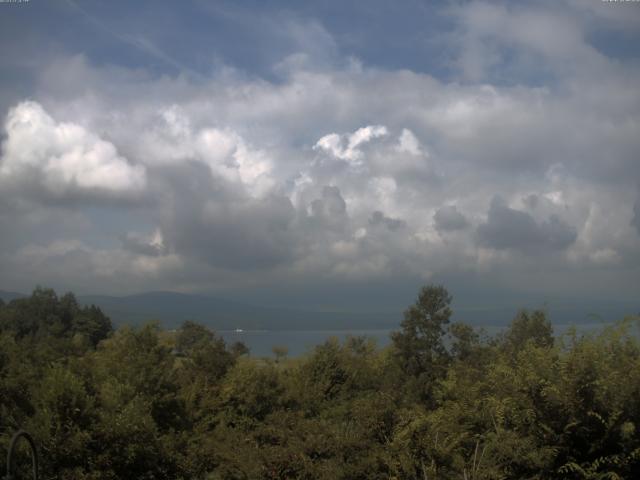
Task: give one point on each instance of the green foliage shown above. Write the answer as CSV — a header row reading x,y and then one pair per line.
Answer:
x,y
441,402
529,327
45,315
419,346
191,336
465,341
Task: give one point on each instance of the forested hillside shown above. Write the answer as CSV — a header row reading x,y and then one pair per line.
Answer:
x,y
443,401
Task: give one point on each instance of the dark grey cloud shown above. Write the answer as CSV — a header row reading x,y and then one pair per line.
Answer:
x,y
507,228
206,218
331,204
393,224
635,221
246,236
531,201
448,218
330,210
140,245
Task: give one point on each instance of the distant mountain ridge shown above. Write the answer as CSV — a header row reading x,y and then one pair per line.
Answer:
x,y
171,309
8,296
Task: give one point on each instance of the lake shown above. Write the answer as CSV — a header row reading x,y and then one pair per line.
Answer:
x,y
299,342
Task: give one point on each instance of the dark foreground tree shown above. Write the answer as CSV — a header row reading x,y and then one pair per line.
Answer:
x,y
528,327
419,346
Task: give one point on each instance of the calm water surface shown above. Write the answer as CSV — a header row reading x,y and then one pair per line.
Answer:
x,y
299,342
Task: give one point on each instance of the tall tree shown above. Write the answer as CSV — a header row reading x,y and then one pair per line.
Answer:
x,y
419,346
527,327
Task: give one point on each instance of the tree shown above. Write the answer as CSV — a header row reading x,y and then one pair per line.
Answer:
x,y
238,349
464,340
529,327
249,393
93,324
192,335
419,346
45,316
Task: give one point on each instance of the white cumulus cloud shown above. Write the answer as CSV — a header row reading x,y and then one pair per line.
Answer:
x,y
345,147
63,158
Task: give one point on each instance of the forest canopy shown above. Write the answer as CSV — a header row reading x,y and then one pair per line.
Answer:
x,y
443,400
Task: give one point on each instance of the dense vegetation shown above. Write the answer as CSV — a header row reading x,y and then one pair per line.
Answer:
x,y
441,402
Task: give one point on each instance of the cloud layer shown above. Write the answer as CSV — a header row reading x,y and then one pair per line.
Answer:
x,y
335,173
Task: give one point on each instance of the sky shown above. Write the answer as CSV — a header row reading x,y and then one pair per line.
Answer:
x,y
326,155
